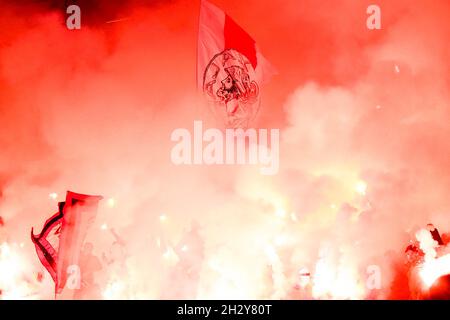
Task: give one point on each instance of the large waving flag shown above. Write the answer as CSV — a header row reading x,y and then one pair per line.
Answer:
x,y
59,244
230,68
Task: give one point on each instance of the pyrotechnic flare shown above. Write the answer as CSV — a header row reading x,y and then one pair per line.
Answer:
x,y
435,264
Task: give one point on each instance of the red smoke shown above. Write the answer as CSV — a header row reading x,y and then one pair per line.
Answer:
x,y
364,150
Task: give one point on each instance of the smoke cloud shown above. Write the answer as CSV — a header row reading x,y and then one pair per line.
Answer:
x,y
364,151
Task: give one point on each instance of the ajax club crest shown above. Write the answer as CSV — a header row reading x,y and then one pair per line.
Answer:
x,y
230,84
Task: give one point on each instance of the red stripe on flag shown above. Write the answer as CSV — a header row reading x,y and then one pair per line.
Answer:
x,y
236,38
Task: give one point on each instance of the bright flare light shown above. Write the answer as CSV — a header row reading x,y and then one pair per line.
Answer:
x,y
114,290
12,265
53,195
434,269
333,280
361,188
280,212
111,202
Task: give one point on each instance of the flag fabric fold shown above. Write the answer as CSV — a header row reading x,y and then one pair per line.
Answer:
x,y
79,214
59,244
217,33
47,242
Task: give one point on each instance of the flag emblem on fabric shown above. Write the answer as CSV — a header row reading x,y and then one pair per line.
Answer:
x,y
230,68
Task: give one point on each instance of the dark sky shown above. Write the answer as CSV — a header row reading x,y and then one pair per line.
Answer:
x,y
93,11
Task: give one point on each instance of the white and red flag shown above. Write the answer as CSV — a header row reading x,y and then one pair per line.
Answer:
x,y
230,68
59,244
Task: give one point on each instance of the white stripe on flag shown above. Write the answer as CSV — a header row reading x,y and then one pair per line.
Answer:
x,y
210,37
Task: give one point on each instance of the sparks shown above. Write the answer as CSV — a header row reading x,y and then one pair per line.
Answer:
x,y
117,20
